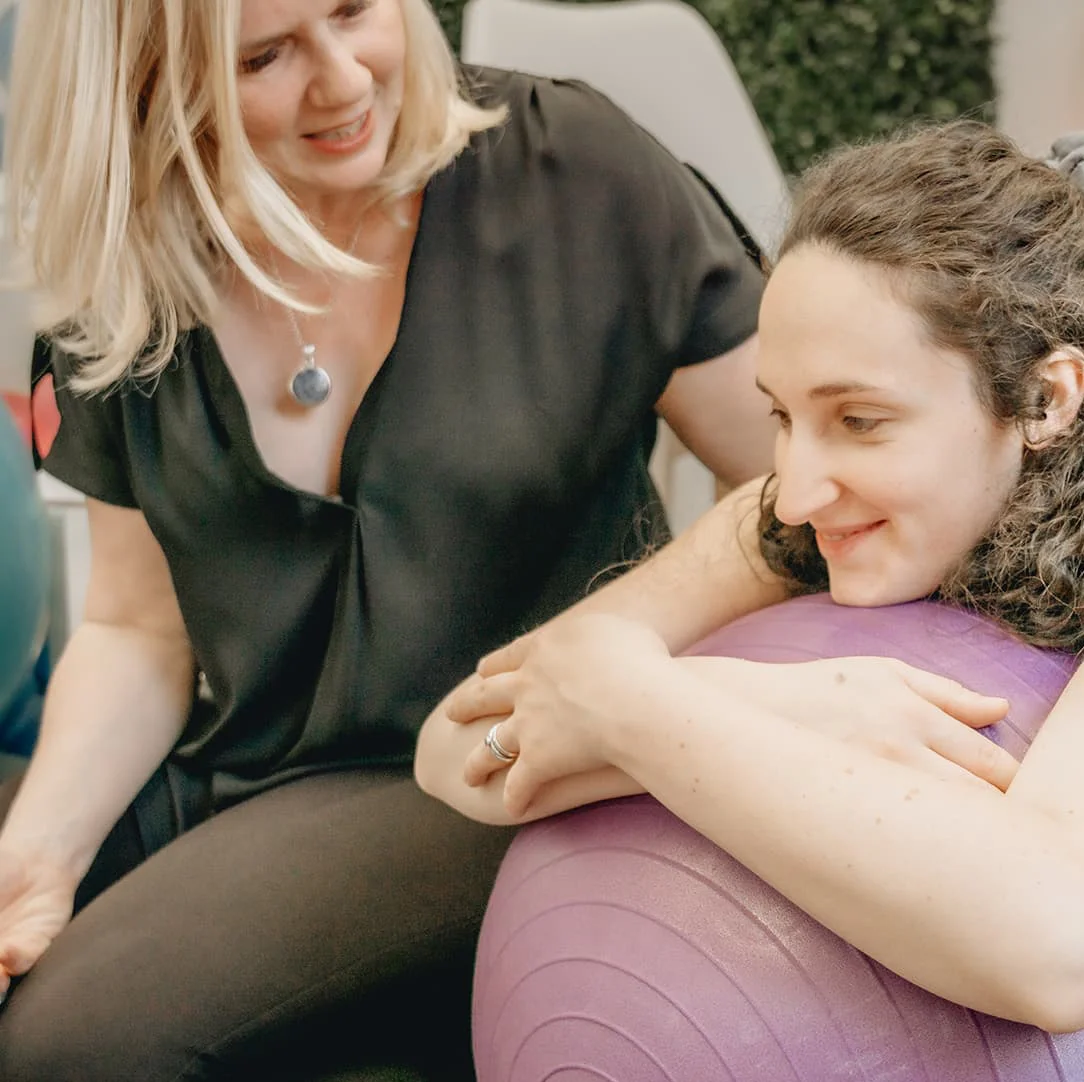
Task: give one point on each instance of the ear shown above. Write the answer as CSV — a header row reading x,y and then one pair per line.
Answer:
x,y
1062,377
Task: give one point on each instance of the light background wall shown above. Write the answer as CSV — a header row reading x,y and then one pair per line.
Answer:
x,y
1039,69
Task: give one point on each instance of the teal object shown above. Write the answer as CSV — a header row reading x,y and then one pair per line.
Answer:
x,y
24,563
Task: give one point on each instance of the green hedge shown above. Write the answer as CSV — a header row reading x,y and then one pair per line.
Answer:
x,y
822,72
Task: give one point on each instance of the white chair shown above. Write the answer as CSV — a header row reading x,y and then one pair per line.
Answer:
x,y
665,66
70,530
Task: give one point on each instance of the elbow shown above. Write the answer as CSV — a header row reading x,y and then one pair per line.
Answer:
x,y
433,775
439,756
429,781
1056,1004
1052,987
1048,992
1060,1015
468,802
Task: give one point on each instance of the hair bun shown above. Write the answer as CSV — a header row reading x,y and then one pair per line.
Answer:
x,y
1067,157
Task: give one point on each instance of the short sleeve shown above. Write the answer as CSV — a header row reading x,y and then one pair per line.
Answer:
x,y
718,279
88,451
684,251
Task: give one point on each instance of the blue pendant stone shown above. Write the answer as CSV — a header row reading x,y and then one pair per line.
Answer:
x,y
311,386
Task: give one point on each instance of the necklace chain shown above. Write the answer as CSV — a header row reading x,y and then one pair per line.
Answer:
x,y
311,384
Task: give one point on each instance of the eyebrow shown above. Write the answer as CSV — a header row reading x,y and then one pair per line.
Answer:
x,y
831,390
263,43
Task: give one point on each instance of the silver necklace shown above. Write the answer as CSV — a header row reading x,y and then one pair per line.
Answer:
x,y
310,385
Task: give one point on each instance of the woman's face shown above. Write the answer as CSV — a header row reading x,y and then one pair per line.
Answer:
x,y
321,86
883,446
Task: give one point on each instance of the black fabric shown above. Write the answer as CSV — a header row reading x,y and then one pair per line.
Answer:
x,y
564,265
323,926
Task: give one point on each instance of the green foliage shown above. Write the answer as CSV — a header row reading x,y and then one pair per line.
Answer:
x,y
822,72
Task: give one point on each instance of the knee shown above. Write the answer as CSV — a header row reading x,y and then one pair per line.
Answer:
x,y
93,1013
47,1033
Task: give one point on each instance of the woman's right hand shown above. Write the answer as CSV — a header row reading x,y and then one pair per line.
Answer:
x,y
36,898
890,708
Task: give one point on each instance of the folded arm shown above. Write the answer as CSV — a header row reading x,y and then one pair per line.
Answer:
x,y
968,891
443,747
708,576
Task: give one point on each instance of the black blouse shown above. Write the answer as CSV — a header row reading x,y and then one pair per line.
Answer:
x,y
564,265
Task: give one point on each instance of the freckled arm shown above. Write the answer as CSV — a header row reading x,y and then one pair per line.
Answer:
x,y
966,891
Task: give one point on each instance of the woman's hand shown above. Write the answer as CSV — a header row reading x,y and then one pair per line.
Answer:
x,y
36,899
558,701
898,712
885,706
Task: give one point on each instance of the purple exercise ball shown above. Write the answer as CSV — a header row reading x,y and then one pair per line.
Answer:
x,y
621,946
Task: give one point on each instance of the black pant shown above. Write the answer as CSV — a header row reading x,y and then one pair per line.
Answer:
x,y
325,925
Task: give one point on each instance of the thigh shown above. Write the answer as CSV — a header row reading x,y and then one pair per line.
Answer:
x,y
317,918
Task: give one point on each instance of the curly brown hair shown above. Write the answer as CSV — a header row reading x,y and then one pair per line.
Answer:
x,y
986,245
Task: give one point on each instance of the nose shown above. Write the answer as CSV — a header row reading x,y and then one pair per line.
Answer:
x,y
339,78
805,482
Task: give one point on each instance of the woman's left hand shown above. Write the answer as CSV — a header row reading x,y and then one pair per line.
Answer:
x,y
559,700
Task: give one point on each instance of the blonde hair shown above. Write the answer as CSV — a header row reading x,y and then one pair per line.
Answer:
x,y
129,172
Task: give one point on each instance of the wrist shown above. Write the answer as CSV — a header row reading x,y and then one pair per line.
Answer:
x,y
648,707
727,673
682,716
62,845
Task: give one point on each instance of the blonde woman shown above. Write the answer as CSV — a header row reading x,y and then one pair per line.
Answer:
x,y
357,358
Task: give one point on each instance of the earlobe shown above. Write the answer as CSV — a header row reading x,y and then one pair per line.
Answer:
x,y
1062,378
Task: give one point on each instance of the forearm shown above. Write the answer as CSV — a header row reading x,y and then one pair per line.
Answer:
x,y
116,705
438,768
709,575
956,887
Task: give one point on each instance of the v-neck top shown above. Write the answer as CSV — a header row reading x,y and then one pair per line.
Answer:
x,y
496,468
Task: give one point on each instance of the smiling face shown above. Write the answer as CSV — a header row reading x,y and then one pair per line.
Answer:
x,y
321,87
883,446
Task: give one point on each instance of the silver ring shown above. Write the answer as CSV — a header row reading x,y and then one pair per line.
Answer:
x,y
496,748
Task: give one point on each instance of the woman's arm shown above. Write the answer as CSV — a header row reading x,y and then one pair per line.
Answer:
x,y
709,576
718,412
115,706
438,769
666,593
117,702
969,892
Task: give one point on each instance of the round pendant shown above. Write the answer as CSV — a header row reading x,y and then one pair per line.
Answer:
x,y
310,386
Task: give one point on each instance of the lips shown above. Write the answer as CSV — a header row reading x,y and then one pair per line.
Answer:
x,y
343,133
838,541
844,533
